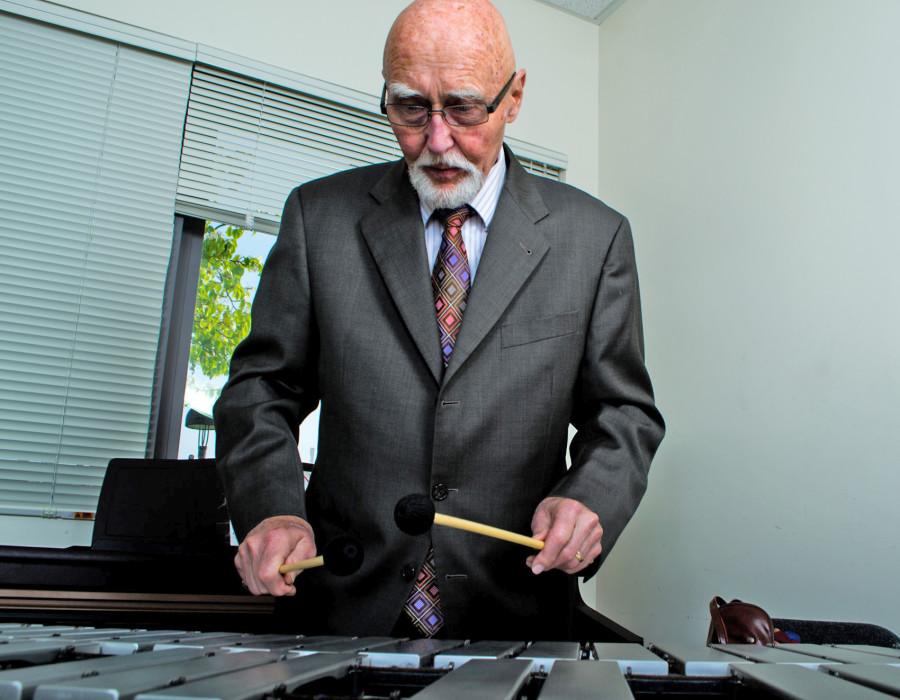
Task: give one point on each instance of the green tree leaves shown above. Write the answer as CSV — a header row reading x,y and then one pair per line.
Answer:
x,y
222,312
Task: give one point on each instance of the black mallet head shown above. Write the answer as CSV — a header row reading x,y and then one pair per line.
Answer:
x,y
343,555
414,514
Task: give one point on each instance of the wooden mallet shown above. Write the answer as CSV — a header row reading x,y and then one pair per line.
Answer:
x,y
342,557
415,514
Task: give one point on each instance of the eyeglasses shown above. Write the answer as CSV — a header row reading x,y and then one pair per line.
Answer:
x,y
462,114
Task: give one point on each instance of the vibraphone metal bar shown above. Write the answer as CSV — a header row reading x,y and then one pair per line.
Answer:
x,y
65,663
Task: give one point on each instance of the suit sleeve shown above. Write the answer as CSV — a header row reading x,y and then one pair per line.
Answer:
x,y
618,427
271,387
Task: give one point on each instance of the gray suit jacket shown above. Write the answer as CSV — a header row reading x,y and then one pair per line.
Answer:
x,y
344,314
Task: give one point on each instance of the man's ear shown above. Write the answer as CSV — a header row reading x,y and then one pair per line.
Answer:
x,y
516,91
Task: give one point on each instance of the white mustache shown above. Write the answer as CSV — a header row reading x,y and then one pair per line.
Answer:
x,y
450,159
443,197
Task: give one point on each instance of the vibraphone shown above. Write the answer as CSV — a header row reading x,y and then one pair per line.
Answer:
x,y
79,663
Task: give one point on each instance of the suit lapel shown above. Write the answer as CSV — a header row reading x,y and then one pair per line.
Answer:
x,y
395,236
512,250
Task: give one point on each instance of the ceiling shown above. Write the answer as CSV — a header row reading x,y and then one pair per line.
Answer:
x,y
592,10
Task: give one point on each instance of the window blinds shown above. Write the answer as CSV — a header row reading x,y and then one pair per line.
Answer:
x,y
88,165
248,142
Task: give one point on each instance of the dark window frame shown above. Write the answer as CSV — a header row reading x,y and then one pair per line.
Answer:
x,y
173,353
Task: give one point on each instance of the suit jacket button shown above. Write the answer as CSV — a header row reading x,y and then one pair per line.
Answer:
x,y
439,492
408,572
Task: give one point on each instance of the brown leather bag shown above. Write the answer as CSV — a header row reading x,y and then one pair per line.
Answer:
x,y
739,623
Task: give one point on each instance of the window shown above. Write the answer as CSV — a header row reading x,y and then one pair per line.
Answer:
x,y
229,275
221,271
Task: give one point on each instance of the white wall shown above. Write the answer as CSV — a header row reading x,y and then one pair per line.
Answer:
x,y
756,148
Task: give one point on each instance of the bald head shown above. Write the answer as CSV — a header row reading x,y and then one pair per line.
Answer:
x,y
452,55
457,34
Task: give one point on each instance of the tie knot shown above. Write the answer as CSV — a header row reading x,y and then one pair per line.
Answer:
x,y
453,218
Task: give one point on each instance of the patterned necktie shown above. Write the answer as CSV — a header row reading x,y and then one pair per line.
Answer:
x,y
450,279
450,284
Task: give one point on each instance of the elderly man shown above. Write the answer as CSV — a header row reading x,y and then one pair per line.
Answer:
x,y
454,315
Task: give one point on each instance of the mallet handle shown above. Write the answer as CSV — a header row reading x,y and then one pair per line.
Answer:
x,y
488,530
303,564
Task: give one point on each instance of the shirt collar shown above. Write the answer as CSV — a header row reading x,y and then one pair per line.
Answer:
x,y
485,202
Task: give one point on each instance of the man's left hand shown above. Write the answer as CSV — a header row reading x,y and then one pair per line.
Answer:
x,y
571,534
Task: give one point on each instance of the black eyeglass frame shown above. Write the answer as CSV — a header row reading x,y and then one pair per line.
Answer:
x,y
489,108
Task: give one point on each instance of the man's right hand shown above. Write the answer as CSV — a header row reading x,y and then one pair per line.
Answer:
x,y
281,539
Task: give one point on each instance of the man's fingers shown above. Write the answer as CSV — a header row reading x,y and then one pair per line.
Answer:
x,y
573,540
540,523
561,521
269,545
583,554
254,567
579,551
305,549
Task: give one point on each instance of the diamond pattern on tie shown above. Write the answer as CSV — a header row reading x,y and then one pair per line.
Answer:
x,y
450,279
423,606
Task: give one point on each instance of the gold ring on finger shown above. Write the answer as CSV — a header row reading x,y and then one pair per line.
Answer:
x,y
579,556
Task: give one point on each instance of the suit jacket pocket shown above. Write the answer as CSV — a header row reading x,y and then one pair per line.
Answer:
x,y
536,329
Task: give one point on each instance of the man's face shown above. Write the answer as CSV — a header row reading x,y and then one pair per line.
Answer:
x,y
448,163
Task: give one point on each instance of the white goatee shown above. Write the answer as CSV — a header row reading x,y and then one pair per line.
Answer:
x,y
447,197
